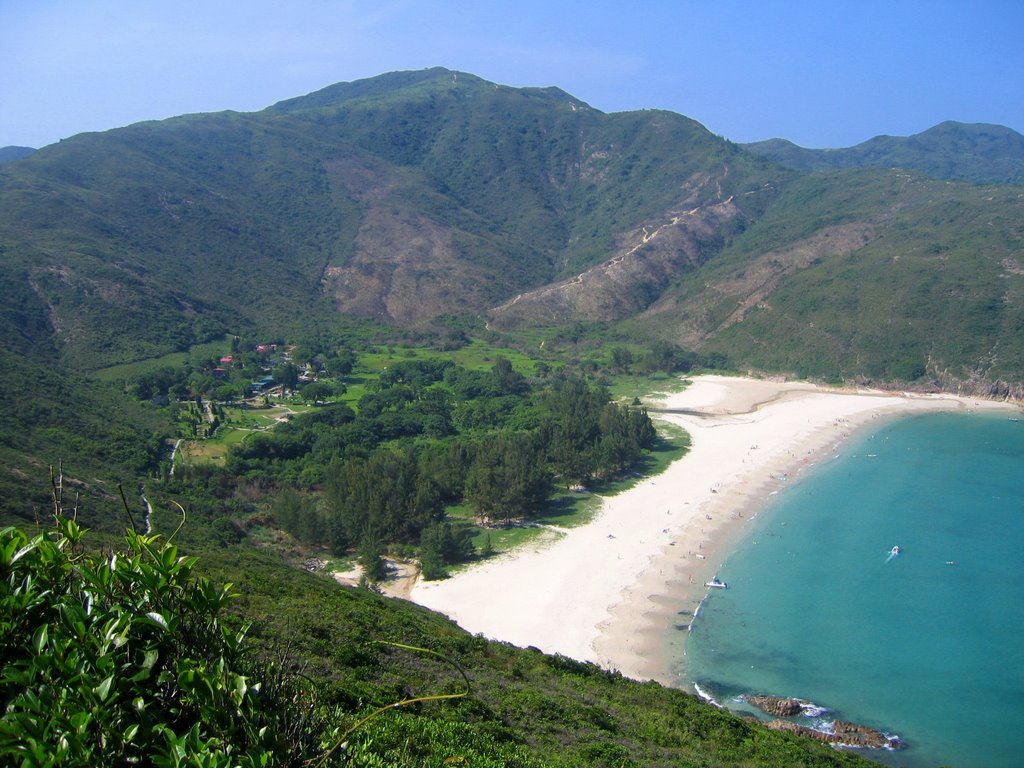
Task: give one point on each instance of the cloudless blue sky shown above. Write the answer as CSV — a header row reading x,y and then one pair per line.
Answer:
x,y
823,73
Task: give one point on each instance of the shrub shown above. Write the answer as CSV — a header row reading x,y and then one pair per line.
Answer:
x,y
121,658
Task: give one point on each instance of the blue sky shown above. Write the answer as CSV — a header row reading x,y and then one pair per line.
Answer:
x,y
823,74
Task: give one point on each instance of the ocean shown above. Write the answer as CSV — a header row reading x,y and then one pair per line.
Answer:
x,y
927,644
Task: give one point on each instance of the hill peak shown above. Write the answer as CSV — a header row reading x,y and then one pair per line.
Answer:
x,y
409,83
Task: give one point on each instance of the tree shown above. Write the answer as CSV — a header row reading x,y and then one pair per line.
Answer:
x,y
385,497
572,428
508,478
617,448
666,357
228,392
371,558
287,510
441,544
342,363
317,391
302,354
507,380
432,554
622,359
287,375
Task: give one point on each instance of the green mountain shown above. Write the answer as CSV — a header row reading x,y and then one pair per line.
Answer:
x,y
398,199
10,154
416,195
978,152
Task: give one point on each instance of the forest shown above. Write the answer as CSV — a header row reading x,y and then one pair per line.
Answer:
x,y
429,434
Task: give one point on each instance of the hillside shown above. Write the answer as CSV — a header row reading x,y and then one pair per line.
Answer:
x,y
433,201
399,199
416,200
878,275
422,195
978,152
320,664
10,154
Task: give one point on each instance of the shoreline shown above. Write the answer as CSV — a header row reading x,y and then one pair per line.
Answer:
x,y
610,591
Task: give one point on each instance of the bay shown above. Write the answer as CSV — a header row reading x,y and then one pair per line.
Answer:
x,y
928,644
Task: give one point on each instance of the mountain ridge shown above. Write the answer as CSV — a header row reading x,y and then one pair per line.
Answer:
x,y
416,195
982,153
12,153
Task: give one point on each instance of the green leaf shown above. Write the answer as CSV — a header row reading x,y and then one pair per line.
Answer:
x,y
23,551
241,687
157,618
169,556
39,638
103,689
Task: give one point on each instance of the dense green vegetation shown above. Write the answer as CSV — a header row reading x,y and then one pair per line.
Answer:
x,y
186,229
121,659
133,654
429,434
377,198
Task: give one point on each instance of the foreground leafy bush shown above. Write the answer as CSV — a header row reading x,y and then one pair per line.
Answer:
x,y
123,658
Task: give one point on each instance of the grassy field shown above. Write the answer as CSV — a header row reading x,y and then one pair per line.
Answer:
x,y
238,424
477,355
170,360
645,385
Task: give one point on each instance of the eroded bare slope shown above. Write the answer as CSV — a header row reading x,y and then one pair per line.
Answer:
x,y
645,261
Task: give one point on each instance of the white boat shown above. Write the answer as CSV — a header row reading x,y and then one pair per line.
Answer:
x,y
895,550
716,583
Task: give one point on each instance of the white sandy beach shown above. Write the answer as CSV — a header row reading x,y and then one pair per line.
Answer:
x,y
608,591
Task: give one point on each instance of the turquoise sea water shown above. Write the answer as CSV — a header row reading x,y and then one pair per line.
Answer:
x,y
929,644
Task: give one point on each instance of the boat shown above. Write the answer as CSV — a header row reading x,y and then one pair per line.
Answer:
x,y
716,583
895,550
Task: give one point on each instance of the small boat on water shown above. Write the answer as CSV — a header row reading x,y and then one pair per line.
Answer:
x,y
716,583
895,551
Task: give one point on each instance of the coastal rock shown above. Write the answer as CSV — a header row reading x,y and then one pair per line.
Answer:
x,y
777,706
863,736
842,733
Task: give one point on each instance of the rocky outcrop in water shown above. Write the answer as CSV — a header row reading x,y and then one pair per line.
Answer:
x,y
838,732
842,733
777,705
